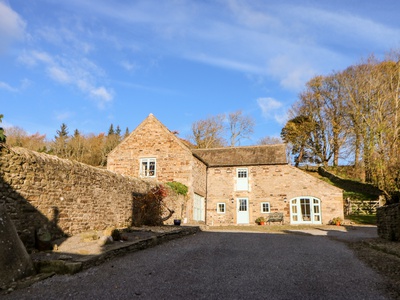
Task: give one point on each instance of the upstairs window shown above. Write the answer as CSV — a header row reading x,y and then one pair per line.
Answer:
x,y
148,167
242,179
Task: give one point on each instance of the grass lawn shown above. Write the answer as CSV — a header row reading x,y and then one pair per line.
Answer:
x,y
363,219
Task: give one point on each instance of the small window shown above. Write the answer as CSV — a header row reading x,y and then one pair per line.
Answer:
x,y
221,208
265,207
242,173
148,167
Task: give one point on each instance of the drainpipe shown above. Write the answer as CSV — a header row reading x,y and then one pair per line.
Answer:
x,y
206,198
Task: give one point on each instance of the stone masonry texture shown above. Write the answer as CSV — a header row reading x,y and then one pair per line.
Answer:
x,y
211,173
274,184
388,222
66,197
174,160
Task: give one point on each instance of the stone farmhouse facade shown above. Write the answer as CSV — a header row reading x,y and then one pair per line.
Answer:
x,y
227,186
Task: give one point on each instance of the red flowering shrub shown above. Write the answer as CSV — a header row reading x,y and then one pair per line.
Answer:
x,y
147,208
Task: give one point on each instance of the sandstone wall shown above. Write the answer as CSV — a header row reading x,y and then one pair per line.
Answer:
x,y
274,184
388,221
67,197
199,177
174,161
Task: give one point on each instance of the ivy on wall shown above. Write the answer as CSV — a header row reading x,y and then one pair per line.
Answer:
x,y
178,187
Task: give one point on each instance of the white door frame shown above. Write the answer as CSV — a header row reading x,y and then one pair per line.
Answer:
x,y
242,209
242,179
305,210
198,208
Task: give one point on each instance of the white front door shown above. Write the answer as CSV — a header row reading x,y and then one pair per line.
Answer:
x,y
198,208
243,211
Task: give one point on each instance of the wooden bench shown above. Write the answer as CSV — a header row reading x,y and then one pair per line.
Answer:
x,y
275,217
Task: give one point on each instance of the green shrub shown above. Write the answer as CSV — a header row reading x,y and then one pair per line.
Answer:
x,y
178,187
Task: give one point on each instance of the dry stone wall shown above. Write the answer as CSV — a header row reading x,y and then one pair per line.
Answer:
x,y
66,197
388,221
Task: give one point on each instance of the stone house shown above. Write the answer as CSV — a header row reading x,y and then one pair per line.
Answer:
x,y
227,186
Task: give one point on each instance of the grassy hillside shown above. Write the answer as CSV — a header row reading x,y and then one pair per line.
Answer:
x,y
355,192
351,188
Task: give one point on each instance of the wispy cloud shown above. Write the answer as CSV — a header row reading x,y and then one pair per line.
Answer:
x,y
227,63
102,94
281,42
7,87
25,83
62,116
79,72
272,109
12,26
129,66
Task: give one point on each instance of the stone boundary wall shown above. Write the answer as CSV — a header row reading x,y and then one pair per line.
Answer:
x,y
66,197
388,221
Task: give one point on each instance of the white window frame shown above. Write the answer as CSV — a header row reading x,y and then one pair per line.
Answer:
x,y
219,211
262,207
147,171
313,209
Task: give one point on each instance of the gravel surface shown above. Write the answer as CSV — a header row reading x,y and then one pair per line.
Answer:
x,y
221,265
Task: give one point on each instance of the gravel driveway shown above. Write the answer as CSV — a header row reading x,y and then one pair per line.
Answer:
x,y
221,265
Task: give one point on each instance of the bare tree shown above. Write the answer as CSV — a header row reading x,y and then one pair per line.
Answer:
x,y
16,136
269,140
240,127
208,133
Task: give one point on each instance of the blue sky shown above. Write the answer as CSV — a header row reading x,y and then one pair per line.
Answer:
x,y
92,63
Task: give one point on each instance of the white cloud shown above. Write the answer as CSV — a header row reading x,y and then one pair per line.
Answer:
x,y
58,74
129,66
12,26
25,83
102,95
281,118
66,38
7,87
272,109
288,43
268,104
227,63
77,72
62,116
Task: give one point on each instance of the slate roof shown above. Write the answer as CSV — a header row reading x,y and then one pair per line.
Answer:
x,y
243,156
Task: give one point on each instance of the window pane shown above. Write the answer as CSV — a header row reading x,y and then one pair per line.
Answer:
x,y
242,173
242,204
152,168
148,167
305,209
221,207
144,168
265,207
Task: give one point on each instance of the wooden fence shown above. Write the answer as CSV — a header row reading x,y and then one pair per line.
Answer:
x,y
364,207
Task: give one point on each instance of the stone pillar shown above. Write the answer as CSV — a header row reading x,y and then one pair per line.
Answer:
x,y
15,262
